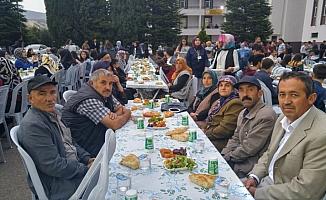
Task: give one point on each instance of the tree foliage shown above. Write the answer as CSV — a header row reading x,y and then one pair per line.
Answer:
x,y
11,22
203,35
77,19
35,35
247,19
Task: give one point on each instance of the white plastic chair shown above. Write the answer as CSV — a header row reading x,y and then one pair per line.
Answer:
x,y
72,77
24,102
3,101
29,167
163,76
67,94
95,183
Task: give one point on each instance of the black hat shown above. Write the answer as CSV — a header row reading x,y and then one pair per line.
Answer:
x,y
248,79
38,81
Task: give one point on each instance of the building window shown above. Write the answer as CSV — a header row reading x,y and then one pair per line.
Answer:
x,y
183,22
208,22
183,4
208,3
323,14
314,13
314,35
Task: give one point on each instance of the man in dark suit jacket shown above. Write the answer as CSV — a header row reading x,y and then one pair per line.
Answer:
x,y
60,164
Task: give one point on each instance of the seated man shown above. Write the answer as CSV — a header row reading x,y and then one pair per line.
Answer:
x,y
318,76
254,128
61,165
264,75
294,165
93,110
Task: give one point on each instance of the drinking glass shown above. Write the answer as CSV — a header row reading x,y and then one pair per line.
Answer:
x,y
123,184
145,162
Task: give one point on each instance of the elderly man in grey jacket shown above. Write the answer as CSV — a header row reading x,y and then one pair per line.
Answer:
x,y
254,127
61,165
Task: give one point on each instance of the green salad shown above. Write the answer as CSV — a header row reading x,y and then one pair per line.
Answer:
x,y
180,162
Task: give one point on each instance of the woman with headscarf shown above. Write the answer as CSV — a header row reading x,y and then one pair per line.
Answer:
x,y
48,66
21,59
180,79
222,117
226,60
66,58
197,58
209,83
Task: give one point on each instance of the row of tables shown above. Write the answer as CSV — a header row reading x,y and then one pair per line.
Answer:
x,y
157,182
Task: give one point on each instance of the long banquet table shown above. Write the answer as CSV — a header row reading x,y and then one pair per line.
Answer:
x,y
158,183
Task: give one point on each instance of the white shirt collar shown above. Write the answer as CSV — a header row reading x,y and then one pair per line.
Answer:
x,y
289,127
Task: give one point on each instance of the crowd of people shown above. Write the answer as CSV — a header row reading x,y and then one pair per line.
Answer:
x,y
277,156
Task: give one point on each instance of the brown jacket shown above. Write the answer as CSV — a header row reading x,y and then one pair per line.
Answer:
x,y
250,139
223,124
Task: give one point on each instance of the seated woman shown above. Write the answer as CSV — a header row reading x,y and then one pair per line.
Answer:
x,y
196,110
180,79
117,89
296,64
222,118
48,66
22,61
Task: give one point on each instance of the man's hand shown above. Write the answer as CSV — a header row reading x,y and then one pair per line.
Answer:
x,y
90,162
250,182
194,116
230,69
252,191
112,115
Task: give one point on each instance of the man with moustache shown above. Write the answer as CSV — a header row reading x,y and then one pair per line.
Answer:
x,y
294,165
60,163
93,110
254,127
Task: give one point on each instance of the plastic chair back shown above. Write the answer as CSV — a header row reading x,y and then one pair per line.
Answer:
x,y
67,94
163,76
3,101
20,89
29,166
95,183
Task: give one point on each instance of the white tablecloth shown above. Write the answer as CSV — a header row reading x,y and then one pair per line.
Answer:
x,y
158,183
146,85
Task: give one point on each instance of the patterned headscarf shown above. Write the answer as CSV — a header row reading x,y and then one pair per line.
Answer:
x,y
18,53
8,73
227,40
49,64
184,67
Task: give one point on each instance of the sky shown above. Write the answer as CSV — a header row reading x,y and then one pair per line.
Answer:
x,y
34,5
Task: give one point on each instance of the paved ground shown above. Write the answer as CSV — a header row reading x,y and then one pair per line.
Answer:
x,y
13,184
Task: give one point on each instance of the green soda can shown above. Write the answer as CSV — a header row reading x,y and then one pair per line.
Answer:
x,y
151,104
140,123
192,136
213,166
167,98
131,195
185,120
149,141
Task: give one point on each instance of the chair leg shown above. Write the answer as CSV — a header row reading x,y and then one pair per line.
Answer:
x,y
7,133
2,156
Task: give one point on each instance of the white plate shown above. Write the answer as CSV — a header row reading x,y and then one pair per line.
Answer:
x,y
157,128
178,169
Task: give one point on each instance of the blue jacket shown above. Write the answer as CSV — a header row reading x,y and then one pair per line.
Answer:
x,y
321,96
197,65
24,64
42,140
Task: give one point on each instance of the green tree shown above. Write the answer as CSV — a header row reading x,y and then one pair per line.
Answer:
x,y
11,22
247,19
202,35
37,35
77,19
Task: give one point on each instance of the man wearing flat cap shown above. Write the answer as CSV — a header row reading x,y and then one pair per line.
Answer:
x,y
60,164
254,127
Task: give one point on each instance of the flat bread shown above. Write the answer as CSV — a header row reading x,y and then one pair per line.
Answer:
x,y
182,137
131,161
176,131
151,114
203,180
168,114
